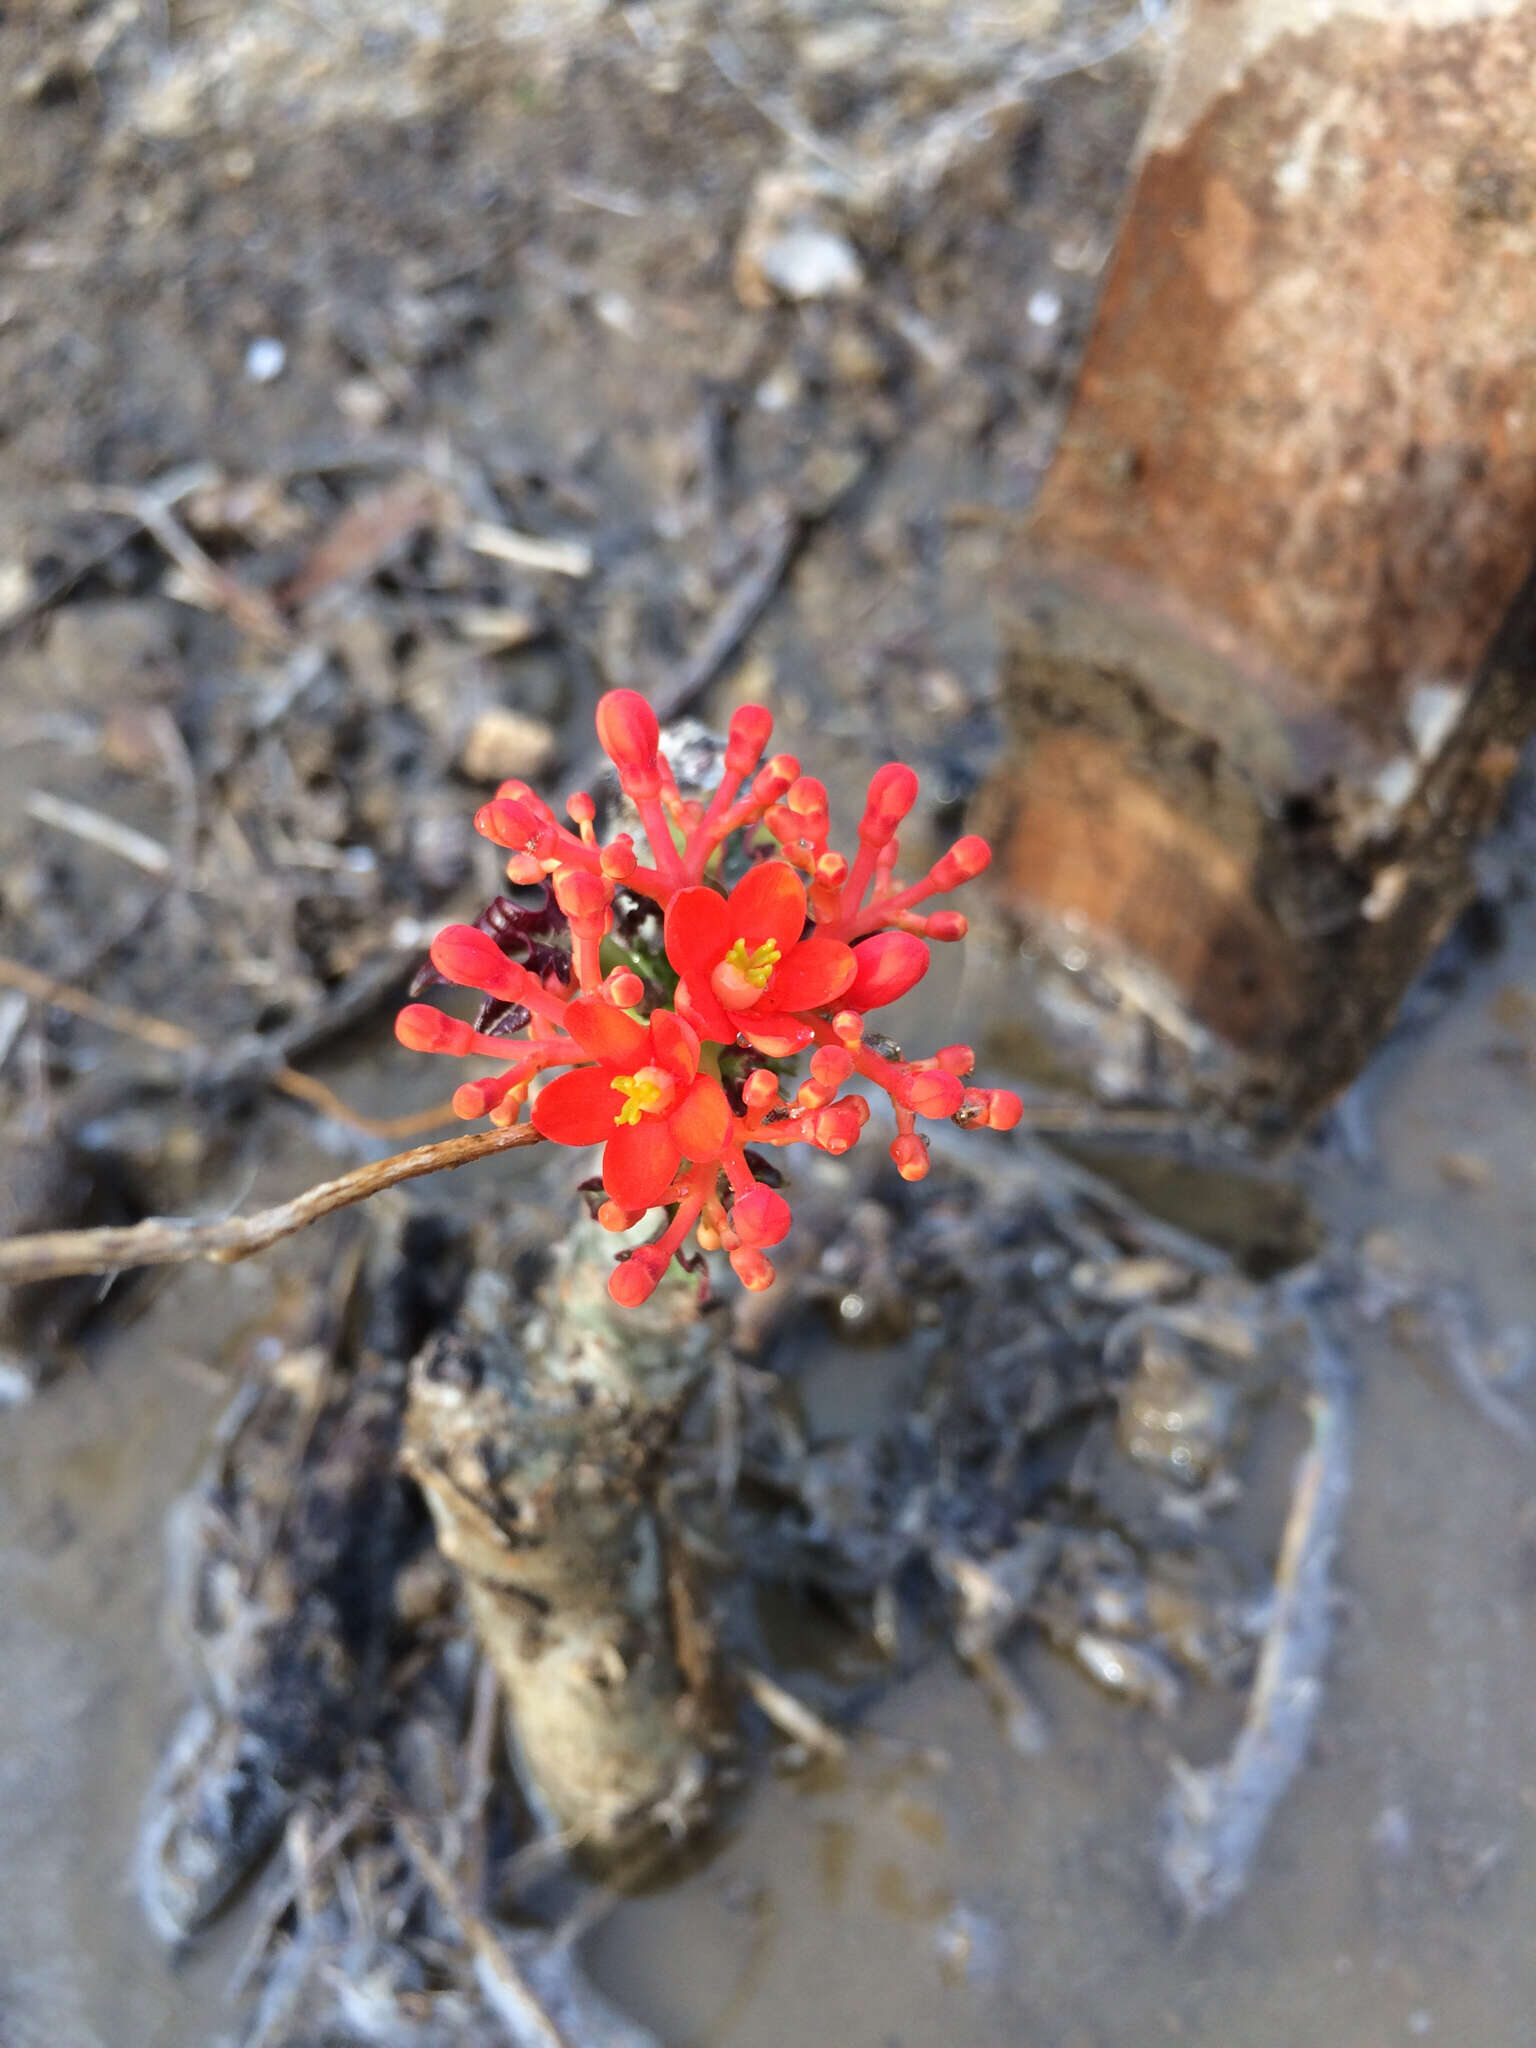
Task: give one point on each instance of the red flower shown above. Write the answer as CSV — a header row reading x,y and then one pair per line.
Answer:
x,y
745,969
644,1100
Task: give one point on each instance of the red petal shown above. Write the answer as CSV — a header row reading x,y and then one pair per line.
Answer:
x,y
767,903
701,1123
773,1035
640,1162
674,1045
706,1016
698,933
604,1033
578,1108
817,971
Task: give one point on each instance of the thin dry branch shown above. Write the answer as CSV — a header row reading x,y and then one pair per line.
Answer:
x,y
252,611
166,1036
167,1240
500,1974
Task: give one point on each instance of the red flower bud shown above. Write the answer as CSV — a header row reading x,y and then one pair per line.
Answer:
x,y
888,965
959,1059
963,862
627,730
629,735
836,1128
617,859
517,824
750,727
1005,1110
420,1028
911,1157
634,1279
831,1065
479,1098
760,1216
582,897
771,780
932,1092
945,927
760,1090
892,793
473,959
623,989
751,1269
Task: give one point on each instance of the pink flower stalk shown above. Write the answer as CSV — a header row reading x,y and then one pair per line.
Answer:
x,y
792,959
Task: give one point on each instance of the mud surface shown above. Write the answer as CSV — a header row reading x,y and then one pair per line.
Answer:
x,y
519,269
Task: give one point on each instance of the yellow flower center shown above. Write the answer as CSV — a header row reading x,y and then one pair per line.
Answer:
x,y
744,973
647,1093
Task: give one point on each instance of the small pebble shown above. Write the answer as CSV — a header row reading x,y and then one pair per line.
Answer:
x,y
265,359
503,743
1466,1170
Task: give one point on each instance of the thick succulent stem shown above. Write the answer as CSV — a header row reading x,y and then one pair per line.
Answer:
x,y
538,1456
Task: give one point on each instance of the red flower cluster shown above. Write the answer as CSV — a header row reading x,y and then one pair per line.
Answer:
x,y
793,957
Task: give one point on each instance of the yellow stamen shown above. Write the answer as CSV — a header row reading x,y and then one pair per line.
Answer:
x,y
756,966
643,1093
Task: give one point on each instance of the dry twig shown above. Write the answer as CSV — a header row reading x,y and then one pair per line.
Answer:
x,y
166,1036
169,1240
1215,1817
792,1717
97,829
490,1953
529,550
252,611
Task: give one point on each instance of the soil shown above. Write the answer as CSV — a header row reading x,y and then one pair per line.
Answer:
x,y
388,277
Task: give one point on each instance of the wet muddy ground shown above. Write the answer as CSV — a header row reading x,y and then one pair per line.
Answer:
x,y
763,317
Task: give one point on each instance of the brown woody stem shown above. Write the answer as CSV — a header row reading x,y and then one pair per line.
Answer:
x,y
167,1240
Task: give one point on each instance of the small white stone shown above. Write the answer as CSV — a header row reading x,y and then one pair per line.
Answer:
x,y
16,588
1433,709
615,311
810,263
1386,892
265,359
15,1382
504,744
778,391
364,402
1395,783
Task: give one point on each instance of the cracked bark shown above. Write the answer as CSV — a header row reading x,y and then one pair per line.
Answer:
x,y
539,1454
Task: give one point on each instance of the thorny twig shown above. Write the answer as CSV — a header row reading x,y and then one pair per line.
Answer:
x,y
169,1240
